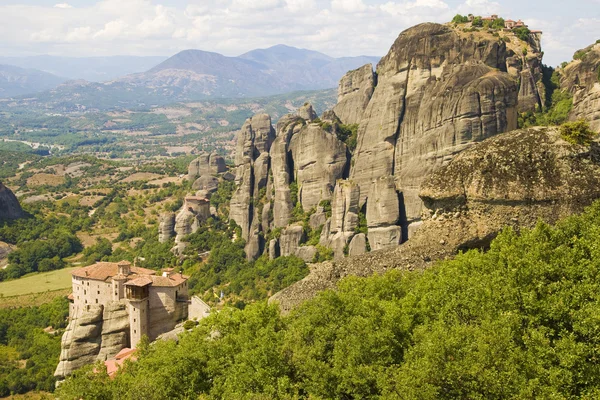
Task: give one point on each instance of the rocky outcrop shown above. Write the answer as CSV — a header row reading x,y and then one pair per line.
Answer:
x,y
5,250
358,245
320,159
206,164
582,79
9,205
354,92
290,240
344,220
195,211
307,112
287,127
438,91
470,200
206,183
115,330
81,341
166,227
252,162
384,214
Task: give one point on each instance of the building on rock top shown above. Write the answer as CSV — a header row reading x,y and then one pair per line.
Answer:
x,y
155,303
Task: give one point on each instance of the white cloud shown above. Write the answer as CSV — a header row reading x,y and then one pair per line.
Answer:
x,y
232,27
348,6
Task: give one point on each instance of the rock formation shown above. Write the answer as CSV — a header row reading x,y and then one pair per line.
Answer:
x,y
439,91
194,212
320,159
9,205
354,93
470,200
582,79
384,214
206,164
5,250
166,227
81,341
340,228
252,163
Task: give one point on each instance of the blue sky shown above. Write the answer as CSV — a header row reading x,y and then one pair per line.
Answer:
x,y
232,27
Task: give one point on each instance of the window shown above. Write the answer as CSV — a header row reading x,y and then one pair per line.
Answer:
x,y
134,320
85,292
96,301
134,331
86,302
98,292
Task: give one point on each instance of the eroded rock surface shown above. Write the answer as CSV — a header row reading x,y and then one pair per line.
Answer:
x,y
437,92
320,159
582,79
470,200
354,92
9,205
81,341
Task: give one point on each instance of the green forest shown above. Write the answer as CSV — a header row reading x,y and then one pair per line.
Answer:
x,y
521,321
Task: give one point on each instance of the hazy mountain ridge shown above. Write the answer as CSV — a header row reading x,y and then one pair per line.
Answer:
x,y
15,81
93,69
260,72
193,75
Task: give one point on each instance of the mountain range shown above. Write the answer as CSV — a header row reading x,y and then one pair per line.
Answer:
x,y
15,81
195,75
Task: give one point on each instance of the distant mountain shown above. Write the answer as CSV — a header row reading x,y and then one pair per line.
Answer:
x,y
94,69
198,75
261,72
15,81
307,68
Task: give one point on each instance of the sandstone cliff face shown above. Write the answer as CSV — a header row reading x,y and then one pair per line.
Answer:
x,y
166,227
252,162
354,93
9,205
206,164
582,79
81,341
320,159
471,199
437,93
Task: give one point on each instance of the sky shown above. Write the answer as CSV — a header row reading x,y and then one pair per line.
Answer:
x,y
83,28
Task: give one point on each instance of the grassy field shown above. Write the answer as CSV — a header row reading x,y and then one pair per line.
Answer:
x,y
36,283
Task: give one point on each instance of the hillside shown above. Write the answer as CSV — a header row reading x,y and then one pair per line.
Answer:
x,y
15,81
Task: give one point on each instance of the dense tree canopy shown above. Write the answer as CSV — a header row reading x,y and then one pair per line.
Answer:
x,y
521,321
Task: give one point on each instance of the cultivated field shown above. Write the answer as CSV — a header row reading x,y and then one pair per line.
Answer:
x,y
36,283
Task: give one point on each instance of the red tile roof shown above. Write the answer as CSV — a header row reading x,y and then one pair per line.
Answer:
x,y
168,281
140,282
112,365
103,271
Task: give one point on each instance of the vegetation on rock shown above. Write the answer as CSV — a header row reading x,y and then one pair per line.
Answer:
x,y
578,132
515,322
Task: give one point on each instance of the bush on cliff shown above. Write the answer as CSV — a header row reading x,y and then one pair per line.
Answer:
x,y
578,132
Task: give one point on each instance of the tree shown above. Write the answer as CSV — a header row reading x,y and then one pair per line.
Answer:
x,y
460,19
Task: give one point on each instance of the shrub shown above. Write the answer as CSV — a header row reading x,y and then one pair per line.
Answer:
x,y
477,21
189,324
578,132
460,19
522,33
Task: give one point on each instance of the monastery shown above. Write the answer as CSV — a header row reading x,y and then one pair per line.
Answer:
x,y
155,303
